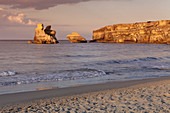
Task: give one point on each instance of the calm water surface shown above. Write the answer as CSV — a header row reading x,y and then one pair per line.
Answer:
x,y
25,67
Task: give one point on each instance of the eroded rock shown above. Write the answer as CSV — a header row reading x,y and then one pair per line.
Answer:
x,y
146,32
76,38
44,36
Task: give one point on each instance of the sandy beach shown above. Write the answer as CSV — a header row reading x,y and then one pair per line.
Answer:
x,y
145,96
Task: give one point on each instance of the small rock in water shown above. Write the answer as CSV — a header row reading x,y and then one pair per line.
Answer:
x,y
76,38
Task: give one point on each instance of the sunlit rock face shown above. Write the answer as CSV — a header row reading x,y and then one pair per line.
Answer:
x,y
44,36
145,32
76,38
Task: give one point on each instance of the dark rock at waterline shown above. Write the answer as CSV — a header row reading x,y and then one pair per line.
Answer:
x,y
92,41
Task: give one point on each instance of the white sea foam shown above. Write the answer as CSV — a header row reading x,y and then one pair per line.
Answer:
x,y
7,73
59,76
161,67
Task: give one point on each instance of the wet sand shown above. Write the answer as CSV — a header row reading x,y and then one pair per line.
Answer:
x,y
147,95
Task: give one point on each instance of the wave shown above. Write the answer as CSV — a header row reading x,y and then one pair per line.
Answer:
x,y
79,56
161,67
144,77
70,56
133,60
63,75
7,73
167,57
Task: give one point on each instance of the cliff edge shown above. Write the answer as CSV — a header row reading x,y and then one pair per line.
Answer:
x,y
145,32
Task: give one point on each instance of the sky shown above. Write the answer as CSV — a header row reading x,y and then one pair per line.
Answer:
x,y
18,18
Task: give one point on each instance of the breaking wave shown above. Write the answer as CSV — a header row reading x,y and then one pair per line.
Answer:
x,y
7,73
59,76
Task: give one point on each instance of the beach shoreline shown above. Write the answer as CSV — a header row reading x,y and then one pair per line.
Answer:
x,y
34,98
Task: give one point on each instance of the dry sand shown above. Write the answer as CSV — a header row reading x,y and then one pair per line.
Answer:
x,y
151,96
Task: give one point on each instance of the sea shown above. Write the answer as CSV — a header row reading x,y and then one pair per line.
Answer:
x,y
29,67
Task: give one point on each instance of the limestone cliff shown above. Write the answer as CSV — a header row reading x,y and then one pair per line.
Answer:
x,y
145,32
44,36
76,38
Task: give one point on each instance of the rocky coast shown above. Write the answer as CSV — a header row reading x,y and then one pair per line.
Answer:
x,y
157,32
44,36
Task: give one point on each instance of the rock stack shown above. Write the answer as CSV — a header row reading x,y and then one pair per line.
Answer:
x,y
76,38
44,36
146,32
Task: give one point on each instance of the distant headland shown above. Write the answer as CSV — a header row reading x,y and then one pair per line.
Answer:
x,y
155,32
145,32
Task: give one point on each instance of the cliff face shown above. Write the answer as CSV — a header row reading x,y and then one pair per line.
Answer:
x,y
146,32
44,36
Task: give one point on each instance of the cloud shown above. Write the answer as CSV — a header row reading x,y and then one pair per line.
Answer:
x,y
40,4
20,18
10,17
37,4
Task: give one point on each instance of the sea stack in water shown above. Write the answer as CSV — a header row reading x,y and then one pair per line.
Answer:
x,y
76,38
44,36
146,32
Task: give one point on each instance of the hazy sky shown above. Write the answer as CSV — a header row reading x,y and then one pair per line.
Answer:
x,y
18,18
